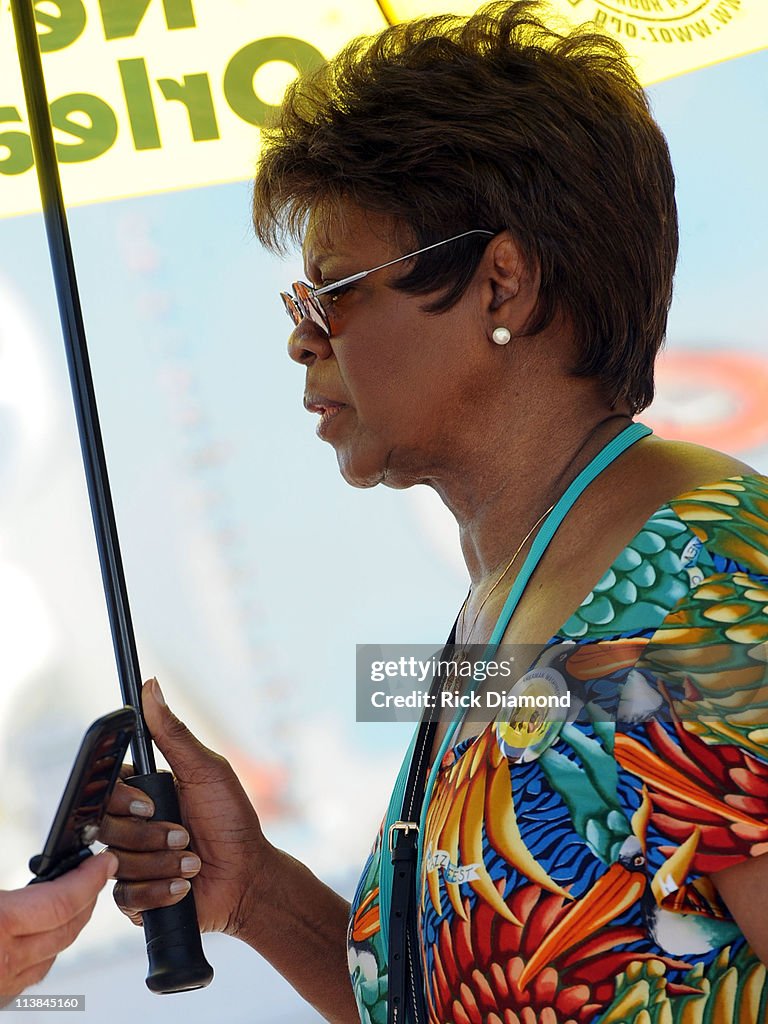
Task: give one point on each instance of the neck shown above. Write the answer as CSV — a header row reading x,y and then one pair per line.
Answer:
x,y
519,475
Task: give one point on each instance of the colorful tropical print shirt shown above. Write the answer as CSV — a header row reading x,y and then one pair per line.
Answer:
x,y
574,889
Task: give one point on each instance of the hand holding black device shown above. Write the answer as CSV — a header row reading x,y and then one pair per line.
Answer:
x,y
86,795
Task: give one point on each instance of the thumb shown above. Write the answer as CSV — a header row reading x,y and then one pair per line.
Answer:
x,y
51,904
189,759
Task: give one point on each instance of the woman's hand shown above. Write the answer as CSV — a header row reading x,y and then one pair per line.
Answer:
x,y
38,922
243,885
222,829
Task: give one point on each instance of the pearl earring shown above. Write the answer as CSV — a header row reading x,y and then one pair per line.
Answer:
x,y
501,335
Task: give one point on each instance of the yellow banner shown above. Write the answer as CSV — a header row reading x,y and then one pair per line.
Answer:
x,y
154,95
663,37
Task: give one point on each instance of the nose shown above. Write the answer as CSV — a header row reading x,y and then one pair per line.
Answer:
x,y
307,343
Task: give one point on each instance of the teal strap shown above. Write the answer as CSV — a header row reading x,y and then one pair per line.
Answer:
x,y
601,461
616,447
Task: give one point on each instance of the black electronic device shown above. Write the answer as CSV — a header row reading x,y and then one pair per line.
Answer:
x,y
86,795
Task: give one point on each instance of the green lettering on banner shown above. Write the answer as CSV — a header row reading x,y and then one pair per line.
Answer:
x,y
195,93
63,28
18,144
138,99
238,78
121,18
95,138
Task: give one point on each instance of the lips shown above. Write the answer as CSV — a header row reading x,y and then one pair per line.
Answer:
x,y
328,408
321,404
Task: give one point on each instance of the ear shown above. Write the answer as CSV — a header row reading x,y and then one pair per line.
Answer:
x,y
511,285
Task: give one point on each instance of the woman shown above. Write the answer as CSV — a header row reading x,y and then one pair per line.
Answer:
x,y
489,230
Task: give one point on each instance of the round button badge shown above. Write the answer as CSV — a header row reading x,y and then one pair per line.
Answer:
x,y
539,703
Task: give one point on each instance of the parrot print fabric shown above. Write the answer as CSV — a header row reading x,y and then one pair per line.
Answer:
x,y
572,887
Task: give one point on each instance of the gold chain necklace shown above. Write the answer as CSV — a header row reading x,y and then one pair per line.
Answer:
x,y
505,570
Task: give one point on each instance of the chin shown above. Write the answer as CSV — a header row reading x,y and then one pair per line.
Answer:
x,y
357,475
368,469
364,465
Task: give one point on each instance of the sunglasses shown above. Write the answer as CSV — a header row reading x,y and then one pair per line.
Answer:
x,y
303,301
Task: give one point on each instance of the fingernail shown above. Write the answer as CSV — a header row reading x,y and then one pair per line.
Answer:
x,y
157,693
113,863
141,809
190,864
178,839
178,886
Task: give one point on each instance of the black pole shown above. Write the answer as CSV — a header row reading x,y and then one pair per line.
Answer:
x,y
176,959
80,377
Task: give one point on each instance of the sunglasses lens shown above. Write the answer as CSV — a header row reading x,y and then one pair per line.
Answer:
x,y
292,308
310,306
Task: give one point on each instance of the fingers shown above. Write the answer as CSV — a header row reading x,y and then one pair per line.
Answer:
x,y
38,922
124,833
154,864
133,898
26,959
13,985
133,866
42,947
50,905
129,800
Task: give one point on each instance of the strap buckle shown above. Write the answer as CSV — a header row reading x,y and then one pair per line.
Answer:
x,y
405,827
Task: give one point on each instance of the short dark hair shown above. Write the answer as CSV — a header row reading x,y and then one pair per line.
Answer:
x,y
495,121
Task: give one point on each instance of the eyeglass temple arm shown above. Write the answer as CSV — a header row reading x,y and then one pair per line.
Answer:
x,y
348,280
364,273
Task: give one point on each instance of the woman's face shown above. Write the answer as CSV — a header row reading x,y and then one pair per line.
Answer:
x,y
392,382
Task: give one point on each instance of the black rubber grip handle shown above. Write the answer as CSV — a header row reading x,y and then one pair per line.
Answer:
x,y
174,947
